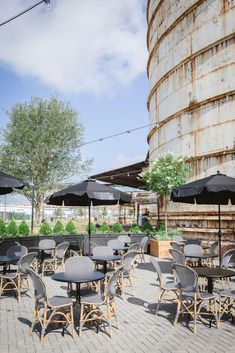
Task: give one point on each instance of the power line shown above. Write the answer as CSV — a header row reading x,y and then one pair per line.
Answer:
x,y
101,139
24,11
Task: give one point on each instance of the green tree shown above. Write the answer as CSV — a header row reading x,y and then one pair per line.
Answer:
x,y
24,229
3,229
117,228
166,172
12,228
70,227
58,228
41,144
104,228
45,228
92,228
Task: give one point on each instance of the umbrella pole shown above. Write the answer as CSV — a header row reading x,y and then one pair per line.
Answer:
x,y
219,235
89,228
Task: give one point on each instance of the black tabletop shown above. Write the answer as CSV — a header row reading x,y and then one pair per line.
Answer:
x,y
124,247
106,258
203,256
9,259
76,277
213,272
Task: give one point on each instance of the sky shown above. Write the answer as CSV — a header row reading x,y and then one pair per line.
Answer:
x,y
90,53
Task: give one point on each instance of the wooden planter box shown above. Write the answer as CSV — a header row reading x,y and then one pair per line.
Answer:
x,y
160,248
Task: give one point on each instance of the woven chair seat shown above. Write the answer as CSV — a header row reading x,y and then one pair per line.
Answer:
x,y
58,301
94,299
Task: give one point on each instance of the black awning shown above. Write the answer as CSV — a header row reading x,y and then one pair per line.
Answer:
x,y
126,176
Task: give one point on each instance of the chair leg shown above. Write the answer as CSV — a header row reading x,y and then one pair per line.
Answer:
x,y
160,297
179,305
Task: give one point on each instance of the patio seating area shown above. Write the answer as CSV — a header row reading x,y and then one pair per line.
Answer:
x,y
140,329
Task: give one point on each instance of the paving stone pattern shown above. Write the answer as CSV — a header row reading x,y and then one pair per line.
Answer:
x,y
140,330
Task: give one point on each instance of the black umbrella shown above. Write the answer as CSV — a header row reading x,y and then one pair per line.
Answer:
x,y
217,189
9,182
88,193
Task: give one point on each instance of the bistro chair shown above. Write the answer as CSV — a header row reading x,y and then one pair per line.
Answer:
x,y
83,265
56,309
143,243
17,251
225,263
125,239
56,262
18,280
116,245
134,246
47,245
211,250
191,300
226,303
126,275
84,250
193,250
165,287
178,239
92,306
176,246
178,256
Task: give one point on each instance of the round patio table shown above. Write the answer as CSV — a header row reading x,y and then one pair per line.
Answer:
x,y
119,248
105,259
78,278
7,260
211,273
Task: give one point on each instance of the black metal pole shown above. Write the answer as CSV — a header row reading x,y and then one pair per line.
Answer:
x,y
138,214
219,235
89,227
32,210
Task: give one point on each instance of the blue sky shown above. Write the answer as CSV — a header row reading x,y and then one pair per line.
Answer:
x,y
95,58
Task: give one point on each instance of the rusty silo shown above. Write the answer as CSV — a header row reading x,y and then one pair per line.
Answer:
x,y
191,71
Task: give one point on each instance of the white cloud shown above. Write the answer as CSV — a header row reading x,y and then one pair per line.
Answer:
x,y
123,161
76,45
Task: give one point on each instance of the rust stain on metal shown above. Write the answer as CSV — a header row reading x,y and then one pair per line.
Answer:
x,y
186,61
169,29
192,108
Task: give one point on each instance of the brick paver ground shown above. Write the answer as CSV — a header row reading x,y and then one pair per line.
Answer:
x,y
140,330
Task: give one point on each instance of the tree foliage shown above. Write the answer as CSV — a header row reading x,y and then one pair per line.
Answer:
x,y
166,172
117,228
41,144
3,229
12,229
45,228
58,228
24,229
104,228
70,227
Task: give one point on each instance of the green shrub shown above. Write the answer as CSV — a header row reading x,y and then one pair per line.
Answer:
x,y
24,229
117,228
135,229
12,229
162,235
92,228
70,227
104,228
147,228
58,228
3,229
45,228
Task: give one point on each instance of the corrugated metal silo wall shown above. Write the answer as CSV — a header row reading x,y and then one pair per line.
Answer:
x,y
191,71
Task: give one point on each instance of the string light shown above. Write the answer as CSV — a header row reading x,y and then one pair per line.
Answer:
x,y
47,2
101,139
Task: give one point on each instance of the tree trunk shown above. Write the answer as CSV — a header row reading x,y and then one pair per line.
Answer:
x,y
39,198
165,201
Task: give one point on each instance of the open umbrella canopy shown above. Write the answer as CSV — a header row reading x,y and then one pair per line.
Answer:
x,y
87,192
9,182
216,189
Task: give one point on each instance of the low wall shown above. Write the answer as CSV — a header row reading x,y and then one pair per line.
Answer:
x,y
74,240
